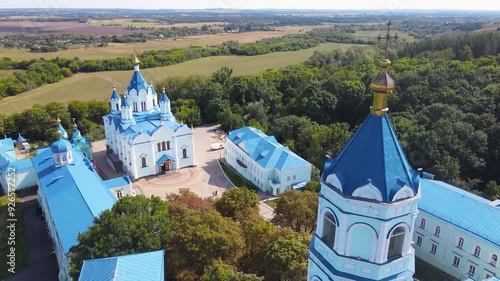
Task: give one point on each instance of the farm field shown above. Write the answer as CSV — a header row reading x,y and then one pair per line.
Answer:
x,y
147,23
5,73
98,85
120,50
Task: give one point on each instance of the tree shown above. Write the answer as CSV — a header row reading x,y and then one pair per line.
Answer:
x,y
187,203
222,75
97,109
492,190
297,210
236,201
78,109
224,272
133,225
200,241
285,259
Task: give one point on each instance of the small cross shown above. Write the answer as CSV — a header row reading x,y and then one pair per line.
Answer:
x,y
387,37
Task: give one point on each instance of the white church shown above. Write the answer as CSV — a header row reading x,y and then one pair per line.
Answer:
x,y
142,136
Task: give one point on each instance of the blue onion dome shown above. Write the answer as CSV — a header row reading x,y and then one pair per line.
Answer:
x,y
61,145
76,132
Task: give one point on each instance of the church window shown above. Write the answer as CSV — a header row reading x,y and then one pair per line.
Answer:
x,y
58,159
64,158
154,102
433,248
419,240
422,223
477,251
168,145
437,231
116,106
163,146
184,153
460,242
294,177
159,146
135,106
396,242
494,259
143,105
329,229
472,270
119,194
456,261
143,159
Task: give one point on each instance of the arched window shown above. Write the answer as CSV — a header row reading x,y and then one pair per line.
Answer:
x,y
477,251
494,259
437,231
143,159
329,229
460,242
168,145
117,107
422,223
396,242
159,146
184,153
163,146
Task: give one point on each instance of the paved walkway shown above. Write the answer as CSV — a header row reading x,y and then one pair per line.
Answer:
x,y
204,179
42,264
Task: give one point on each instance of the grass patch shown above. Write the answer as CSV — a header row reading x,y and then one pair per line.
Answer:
x,y
98,85
21,250
272,203
235,178
426,272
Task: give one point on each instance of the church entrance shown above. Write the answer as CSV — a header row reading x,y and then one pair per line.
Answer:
x,y
166,166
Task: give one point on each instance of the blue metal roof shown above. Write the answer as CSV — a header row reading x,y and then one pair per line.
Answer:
x,y
146,267
373,155
164,158
114,95
125,102
138,82
121,181
164,97
461,208
21,165
60,145
265,150
74,193
148,123
61,129
6,144
20,138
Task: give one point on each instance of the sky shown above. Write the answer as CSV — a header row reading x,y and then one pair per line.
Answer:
x,y
258,4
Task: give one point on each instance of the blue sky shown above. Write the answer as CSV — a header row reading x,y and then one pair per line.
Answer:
x,y
257,4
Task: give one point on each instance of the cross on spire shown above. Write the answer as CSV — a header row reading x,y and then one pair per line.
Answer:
x,y
387,37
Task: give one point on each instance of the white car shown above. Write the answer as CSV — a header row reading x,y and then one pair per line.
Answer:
x,y
216,145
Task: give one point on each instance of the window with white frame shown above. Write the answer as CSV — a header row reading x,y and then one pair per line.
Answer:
x,y
433,248
456,261
437,231
477,251
422,223
494,259
460,243
119,194
472,270
329,229
419,240
396,242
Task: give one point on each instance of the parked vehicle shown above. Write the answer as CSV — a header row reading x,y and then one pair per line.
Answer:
x,y
216,145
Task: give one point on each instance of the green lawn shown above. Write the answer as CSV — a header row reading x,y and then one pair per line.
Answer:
x,y
235,178
272,203
21,252
98,85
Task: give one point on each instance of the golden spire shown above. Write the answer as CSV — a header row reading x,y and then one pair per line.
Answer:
x,y
58,120
136,61
383,84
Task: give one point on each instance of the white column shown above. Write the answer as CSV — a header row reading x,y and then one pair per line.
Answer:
x,y
341,234
382,243
192,146
134,164
153,152
176,154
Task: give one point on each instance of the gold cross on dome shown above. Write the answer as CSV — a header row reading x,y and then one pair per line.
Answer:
x,y
387,37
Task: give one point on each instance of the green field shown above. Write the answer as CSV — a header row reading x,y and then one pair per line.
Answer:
x,y
98,85
5,73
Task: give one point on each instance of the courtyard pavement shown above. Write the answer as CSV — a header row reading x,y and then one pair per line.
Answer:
x,y
203,179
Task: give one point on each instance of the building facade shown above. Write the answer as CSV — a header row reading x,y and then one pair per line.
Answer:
x,y
263,161
458,232
142,136
14,174
368,204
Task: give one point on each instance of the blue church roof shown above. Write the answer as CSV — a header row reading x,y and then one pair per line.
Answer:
x,y
60,145
74,193
20,138
146,266
121,181
114,95
145,123
125,102
138,82
461,208
6,144
164,97
265,150
373,155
